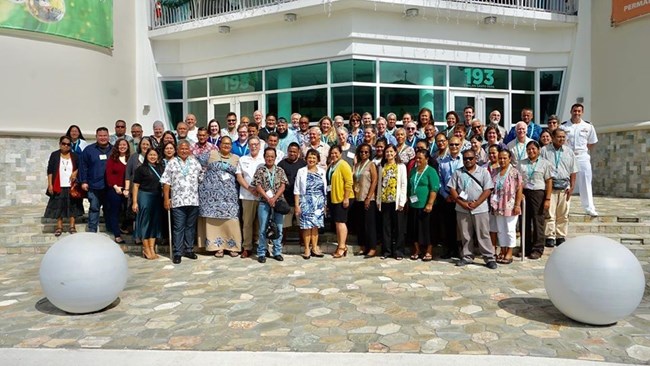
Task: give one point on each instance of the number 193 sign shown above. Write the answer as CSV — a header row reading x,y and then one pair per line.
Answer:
x,y
482,78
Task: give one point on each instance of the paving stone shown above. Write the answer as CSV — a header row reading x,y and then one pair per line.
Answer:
x,y
638,352
318,312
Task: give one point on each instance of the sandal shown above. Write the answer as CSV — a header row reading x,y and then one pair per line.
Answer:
x,y
415,256
219,254
119,240
233,254
58,231
427,258
72,230
340,252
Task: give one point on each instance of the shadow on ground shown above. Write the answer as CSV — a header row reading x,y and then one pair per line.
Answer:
x,y
45,306
540,310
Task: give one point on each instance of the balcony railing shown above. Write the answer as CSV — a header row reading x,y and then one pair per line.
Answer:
x,y
166,13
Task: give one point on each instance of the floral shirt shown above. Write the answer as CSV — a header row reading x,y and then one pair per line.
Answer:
x,y
504,193
270,179
389,183
183,177
202,153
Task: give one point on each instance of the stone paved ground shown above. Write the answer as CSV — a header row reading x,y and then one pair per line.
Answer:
x,y
348,305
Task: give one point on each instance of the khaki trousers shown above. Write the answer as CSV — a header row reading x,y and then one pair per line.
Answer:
x,y
475,226
557,220
250,224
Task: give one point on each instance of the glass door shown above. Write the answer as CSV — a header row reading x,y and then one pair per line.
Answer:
x,y
242,105
484,103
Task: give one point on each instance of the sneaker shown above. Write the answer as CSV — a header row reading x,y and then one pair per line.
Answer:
x,y
592,212
261,259
559,241
278,257
491,265
177,259
462,263
550,243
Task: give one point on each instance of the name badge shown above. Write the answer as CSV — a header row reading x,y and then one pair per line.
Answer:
x,y
350,155
225,176
102,157
463,196
413,199
530,185
329,188
269,193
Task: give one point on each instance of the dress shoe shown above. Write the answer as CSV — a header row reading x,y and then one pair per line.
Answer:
x,y
462,263
535,255
261,259
559,241
317,254
191,255
278,257
177,259
491,264
550,243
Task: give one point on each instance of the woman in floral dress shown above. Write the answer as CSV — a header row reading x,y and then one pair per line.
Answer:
x,y
218,203
309,191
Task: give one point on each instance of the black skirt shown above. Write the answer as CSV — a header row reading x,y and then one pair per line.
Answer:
x,y
62,206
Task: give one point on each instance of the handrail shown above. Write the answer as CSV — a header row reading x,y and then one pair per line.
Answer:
x,y
165,13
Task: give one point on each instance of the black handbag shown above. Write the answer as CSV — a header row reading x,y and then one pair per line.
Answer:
x,y
272,231
282,206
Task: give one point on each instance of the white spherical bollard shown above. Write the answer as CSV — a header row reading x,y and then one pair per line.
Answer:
x,y
83,273
594,280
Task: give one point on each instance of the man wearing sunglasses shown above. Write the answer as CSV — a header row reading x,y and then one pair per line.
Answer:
x,y
231,129
470,187
447,166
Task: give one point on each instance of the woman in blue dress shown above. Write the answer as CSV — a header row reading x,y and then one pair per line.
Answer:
x,y
219,227
309,190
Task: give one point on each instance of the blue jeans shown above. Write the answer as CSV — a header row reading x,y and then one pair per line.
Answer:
x,y
97,200
263,213
184,229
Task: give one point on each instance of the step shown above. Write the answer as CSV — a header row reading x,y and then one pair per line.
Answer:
x,y
610,228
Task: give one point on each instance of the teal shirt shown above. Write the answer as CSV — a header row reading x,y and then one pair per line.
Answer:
x,y
426,183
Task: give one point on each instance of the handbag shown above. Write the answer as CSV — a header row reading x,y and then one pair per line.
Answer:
x,y
76,192
272,231
282,206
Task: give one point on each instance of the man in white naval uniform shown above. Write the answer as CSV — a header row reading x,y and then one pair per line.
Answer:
x,y
581,138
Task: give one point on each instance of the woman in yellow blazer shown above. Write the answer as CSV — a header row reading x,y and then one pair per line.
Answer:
x,y
339,193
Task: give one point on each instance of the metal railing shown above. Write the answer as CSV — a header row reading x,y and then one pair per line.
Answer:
x,y
163,15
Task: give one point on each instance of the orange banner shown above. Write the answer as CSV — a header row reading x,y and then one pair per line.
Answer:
x,y
624,10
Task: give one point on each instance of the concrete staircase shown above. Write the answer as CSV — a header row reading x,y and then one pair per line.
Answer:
x,y
23,231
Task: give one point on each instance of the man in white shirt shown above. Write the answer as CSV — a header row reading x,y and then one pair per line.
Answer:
x,y
248,194
581,138
192,130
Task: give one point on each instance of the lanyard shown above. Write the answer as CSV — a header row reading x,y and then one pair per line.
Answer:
x,y
271,178
75,145
531,169
520,152
243,149
358,171
558,157
432,148
154,170
331,171
416,179
185,167
413,142
530,129
502,179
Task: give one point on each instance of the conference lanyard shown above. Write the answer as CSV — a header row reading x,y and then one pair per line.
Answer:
x,y
331,171
520,152
501,179
185,167
271,178
359,171
154,170
558,157
416,179
531,170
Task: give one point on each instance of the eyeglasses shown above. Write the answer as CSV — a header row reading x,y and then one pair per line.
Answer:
x,y
231,120
364,152
65,143
469,158
552,122
410,128
454,144
120,126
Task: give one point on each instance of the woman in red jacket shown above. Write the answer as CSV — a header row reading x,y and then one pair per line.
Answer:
x,y
115,186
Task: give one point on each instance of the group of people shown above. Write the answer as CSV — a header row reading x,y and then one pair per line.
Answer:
x,y
402,190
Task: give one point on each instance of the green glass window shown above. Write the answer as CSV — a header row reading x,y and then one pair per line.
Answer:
x,y
523,80
310,103
197,88
173,89
174,113
400,101
547,105
237,83
200,110
550,80
297,76
353,70
412,74
349,99
478,77
519,102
